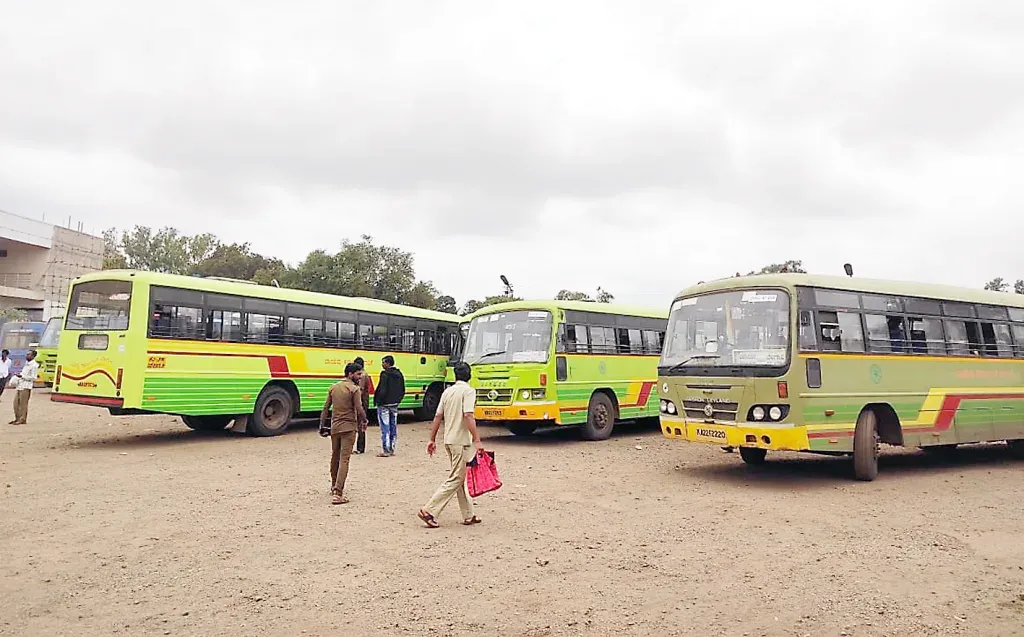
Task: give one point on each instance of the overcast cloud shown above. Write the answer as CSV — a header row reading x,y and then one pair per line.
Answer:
x,y
636,146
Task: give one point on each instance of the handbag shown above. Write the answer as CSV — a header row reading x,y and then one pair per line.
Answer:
x,y
482,474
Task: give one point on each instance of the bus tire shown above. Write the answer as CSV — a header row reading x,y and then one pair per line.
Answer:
x,y
865,446
753,455
600,418
207,423
273,412
431,400
522,428
1016,447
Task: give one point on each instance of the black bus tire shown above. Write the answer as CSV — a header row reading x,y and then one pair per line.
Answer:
x,y
600,418
207,423
865,447
522,428
753,455
431,400
273,412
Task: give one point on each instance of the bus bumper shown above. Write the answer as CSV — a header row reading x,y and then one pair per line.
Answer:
x,y
780,437
93,401
546,411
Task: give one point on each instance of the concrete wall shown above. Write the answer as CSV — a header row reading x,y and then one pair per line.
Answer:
x,y
73,254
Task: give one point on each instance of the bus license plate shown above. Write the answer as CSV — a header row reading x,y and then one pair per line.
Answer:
x,y
710,434
494,413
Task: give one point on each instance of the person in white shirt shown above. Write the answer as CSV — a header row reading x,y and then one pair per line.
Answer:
x,y
24,381
5,370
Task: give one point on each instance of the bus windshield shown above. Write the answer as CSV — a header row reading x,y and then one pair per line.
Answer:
x,y
19,336
521,336
51,335
99,305
748,328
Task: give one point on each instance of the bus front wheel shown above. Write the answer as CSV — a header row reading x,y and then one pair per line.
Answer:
x,y
207,423
522,428
753,455
273,413
600,418
431,399
865,447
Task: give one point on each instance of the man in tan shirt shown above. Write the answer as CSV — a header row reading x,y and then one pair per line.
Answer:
x,y
345,407
460,437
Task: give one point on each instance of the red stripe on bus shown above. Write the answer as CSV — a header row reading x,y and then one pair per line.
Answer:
x,y
95,401
92,373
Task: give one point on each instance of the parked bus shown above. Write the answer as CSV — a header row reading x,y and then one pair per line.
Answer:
x,y
539,363
872,362
48,343
216,351
19,337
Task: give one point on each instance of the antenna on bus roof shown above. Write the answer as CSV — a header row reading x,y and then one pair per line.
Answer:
x,y
849,269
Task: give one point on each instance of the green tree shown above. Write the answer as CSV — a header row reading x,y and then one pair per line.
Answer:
x,y
113,257
604,296
447,304
571,295
474,305
786,266
997,284
165,250
236,261
13,314
1018,287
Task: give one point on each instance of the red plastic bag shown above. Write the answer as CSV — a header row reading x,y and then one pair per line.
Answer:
x,y
482,474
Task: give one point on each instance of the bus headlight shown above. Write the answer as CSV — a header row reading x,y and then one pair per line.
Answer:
x,y
775,413
757,413
538,394
668,407
526,394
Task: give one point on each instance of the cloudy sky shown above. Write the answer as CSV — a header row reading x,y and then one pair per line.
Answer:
x,y
638,146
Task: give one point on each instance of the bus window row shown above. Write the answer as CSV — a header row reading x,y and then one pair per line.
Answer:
x,y
895,327
643,338
192,315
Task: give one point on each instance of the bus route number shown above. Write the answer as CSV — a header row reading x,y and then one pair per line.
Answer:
x,y
157,362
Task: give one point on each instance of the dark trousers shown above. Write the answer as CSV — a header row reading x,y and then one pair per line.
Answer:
x,y
5,382
361,441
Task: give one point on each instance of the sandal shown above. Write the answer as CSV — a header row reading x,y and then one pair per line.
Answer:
x,y
428,519
471,521
383,454
337,498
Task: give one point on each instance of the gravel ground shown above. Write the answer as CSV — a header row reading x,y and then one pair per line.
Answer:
x,y
137,526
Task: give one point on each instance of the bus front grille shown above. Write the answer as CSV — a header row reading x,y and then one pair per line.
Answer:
x,y
494,396
695,410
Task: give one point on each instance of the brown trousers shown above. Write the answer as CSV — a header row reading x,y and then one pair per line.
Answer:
x,y
341,452
21,405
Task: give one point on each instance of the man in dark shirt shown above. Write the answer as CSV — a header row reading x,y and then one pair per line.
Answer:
x,y
366,385
387,397
344,407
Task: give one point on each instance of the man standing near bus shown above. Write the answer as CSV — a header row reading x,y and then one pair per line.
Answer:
x,y
387,397
5,370
24,381
366,386
344,406
460,436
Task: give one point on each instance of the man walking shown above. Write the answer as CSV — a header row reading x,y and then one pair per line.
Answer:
x,y
388,396
345,407
25,380
5,370
460,436
366,386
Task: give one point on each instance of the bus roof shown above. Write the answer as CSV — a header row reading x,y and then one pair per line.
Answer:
x,y
221,286
579,306
853,284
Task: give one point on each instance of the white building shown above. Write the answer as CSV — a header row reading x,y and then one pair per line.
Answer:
x,y
38,262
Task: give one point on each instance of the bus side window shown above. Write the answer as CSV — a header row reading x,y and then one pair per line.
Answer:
x,y
956,338
997,340
828,326
808,342
926,336
1018,339
886,333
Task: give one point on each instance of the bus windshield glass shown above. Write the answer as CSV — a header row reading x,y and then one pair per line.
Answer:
x,y
51,335
748,328
522,336
17,337
99,305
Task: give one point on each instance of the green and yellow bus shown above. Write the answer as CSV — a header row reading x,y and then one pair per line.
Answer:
x,y
47,351
838,366
540,363
217,351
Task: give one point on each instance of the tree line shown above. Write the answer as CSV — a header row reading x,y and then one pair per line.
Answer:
x,y
999,284
362,268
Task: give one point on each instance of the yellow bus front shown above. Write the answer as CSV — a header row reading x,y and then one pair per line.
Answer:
x,y
103,335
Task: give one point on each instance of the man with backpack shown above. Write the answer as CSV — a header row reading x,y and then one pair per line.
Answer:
x,y
388,396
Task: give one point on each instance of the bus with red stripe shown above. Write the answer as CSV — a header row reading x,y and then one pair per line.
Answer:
x,y
842,366
564,363
220,352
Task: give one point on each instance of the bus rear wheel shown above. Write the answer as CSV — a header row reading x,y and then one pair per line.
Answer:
x,y
1016,447
207,423
753,455
600,418
431,399
521,428
273,413
865,447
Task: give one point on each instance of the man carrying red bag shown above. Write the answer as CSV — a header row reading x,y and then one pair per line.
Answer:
x,y
460,438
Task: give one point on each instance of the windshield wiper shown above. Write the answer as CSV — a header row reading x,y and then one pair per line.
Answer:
x,y
679,366
489,354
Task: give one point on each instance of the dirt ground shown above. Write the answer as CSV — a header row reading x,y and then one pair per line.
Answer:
x,y
138,526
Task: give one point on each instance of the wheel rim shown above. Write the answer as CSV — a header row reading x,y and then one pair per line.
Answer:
x,y
275,413
601,416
